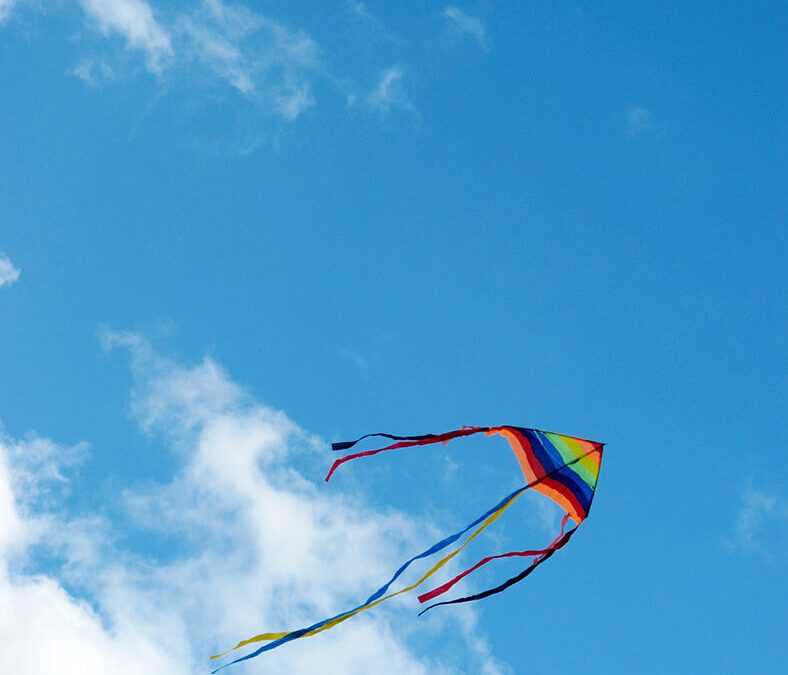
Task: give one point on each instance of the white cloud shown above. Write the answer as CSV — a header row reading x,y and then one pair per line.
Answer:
x,y
204,42
467,25
12,529
357,359
639,121
360,9
761,524
8,273
255,55
389,93
365,18
134,21
5,9
94,72
292,100
221,55
41,624
250,544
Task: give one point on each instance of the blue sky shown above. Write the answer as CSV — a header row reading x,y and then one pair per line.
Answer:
x,y
233,233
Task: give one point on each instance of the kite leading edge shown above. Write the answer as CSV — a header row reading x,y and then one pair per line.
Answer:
x,y
563,468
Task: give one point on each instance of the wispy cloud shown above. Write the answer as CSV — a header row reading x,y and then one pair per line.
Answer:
x,y
5,9
136,23
639,121
260,58
389,93
250,542
466,25
8,273
360,9
761,524
291,99
365,16
356,359
254,54
205,44
93,71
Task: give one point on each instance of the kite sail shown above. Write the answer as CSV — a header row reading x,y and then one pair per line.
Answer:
x,y
563,468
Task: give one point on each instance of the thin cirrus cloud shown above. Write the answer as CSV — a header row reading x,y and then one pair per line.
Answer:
x,y
761,524
357,359
248,543
389,93
252,53
260,58
136,23
94,72
466,25
216,43
8,273
639,121
6,6
363,14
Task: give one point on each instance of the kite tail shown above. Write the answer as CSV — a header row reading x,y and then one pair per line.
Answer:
x,y
509,582
440,590
346,445
478,525
403,442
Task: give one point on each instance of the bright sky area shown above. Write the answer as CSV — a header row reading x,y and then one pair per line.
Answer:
x,y
232,233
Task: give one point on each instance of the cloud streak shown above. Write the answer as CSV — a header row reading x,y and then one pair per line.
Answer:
x,y
639,121
260,58
357,359
761,524
466,25
6,6
8,273
136,23
389,94
207,44
252,53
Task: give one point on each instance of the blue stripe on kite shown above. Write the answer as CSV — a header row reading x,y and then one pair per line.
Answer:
x,y
549,460
552,461
577,485
566,474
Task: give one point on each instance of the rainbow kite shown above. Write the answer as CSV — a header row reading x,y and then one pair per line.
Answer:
x,y
563,468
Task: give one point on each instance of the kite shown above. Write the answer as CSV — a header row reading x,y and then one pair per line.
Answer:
x,y
562,468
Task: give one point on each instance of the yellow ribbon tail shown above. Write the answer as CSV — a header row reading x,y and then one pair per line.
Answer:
x,y
263,637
